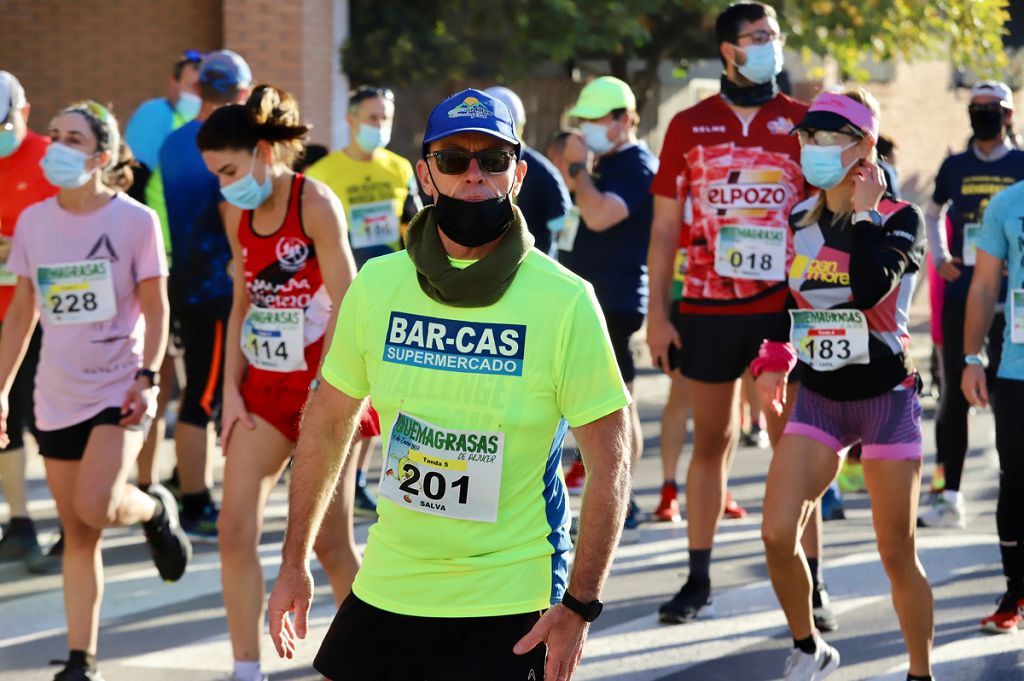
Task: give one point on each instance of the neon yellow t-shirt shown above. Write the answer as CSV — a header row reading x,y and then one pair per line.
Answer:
x,y
474,404
373,193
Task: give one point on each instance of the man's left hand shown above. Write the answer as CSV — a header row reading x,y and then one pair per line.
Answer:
x,y
564,632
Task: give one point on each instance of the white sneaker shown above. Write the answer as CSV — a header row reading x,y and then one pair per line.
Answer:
x,y
947,510
804,667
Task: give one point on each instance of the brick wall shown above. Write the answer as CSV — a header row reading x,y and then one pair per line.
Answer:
x,y
114,51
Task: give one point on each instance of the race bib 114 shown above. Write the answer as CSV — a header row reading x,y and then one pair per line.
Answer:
x,y
444,472
272,339
751,253
829,339
77,292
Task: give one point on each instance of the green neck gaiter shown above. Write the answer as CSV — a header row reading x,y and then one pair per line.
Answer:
x,y
481,284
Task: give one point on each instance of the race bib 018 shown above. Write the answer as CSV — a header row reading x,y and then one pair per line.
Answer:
x,y
272,339
77,292
373,224
829,339
1016,302
972,230
449,473
751,253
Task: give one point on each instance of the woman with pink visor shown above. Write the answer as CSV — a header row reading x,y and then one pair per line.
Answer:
x,y
857,252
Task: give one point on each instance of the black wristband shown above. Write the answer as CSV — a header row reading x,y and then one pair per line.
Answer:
x,y
575,168
154,377
588,611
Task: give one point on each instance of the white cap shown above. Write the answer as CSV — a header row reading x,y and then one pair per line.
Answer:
x,y
994,88
12,95
512,101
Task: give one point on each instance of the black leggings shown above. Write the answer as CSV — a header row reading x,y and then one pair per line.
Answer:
x,y
1010,507
951,422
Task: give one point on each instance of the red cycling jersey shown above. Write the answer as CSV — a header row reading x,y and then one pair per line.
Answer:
x,y
283,272
739,174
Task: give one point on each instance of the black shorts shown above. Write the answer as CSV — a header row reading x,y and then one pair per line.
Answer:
x,y
68,444
200,331
720,348
366,643
21,405
621,327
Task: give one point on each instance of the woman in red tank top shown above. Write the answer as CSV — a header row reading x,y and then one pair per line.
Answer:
x,y
291,265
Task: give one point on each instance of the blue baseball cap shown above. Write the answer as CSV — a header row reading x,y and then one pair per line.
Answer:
x,y
224,69
471,110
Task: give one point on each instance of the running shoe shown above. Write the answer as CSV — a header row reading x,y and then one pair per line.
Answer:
x,y
668,507
688,604
803,666
49,563
634,516
947,510
832,505
19,544
575,478
202,529
732,509
938,478
168,543
851,477
755,437
364,504
821,609
1007,616
76,673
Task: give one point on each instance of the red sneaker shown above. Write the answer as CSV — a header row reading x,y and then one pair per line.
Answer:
x,y
668,507
575,478
732,509
1006,618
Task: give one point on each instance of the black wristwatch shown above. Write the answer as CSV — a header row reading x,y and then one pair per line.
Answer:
x,y
588,611
154,377
574,168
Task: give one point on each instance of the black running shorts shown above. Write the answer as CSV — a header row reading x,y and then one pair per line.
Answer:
x,y
366,643
720,348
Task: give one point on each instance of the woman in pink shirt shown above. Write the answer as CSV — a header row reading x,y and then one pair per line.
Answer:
x,y
91,268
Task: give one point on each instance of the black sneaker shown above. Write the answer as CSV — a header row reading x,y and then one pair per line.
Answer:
x,y
168,544
824,618
19,544
76,673
49,563
685,606
201,529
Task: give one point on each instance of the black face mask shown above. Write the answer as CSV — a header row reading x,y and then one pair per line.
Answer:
x,y
987,125
473,223
748,95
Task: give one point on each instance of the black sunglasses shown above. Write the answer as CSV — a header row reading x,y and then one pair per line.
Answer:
x,y
456,162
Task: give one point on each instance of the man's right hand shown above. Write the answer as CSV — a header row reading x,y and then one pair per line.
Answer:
x,y
972,383
661,335
949,270
293,593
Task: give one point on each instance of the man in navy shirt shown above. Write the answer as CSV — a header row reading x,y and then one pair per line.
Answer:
x,y
544,198
200,287
965,184
609,247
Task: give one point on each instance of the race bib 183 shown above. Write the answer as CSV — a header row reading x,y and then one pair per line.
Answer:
x,y
77,292
751,253
829,339
449,473
272,339
373,224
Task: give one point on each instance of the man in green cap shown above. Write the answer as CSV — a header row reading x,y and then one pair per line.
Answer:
x,y
608,248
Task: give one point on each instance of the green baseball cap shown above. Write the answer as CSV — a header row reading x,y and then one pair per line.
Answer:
x,y
601,96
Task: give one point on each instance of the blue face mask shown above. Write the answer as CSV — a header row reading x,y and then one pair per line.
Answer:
x,y
595,136
247,193
64,167
188,105
823,166
370,137
8,140
764,62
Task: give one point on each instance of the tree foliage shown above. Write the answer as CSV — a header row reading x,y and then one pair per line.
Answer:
x,y
404,42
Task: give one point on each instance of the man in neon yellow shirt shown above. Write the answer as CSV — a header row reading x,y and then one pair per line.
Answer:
x,y
479,354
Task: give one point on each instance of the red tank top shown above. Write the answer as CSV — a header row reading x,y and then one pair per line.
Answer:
x,y
282,271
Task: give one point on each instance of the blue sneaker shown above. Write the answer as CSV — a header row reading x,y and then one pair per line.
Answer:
x,y
634,516
832,504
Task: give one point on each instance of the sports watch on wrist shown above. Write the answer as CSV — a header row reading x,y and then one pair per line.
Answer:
x,y
575,168
976,360
872,216
588,611
150,375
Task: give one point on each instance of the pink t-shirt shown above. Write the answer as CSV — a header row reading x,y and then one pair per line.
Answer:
x,y
87,366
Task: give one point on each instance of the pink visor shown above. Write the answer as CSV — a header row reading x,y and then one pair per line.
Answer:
x,y
855,113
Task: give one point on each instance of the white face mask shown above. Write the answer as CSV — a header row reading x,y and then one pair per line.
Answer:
x,y
64,166
764,62
188,105
596,137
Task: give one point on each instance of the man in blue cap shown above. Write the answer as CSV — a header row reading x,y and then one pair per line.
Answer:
x,y
200,291
479,353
